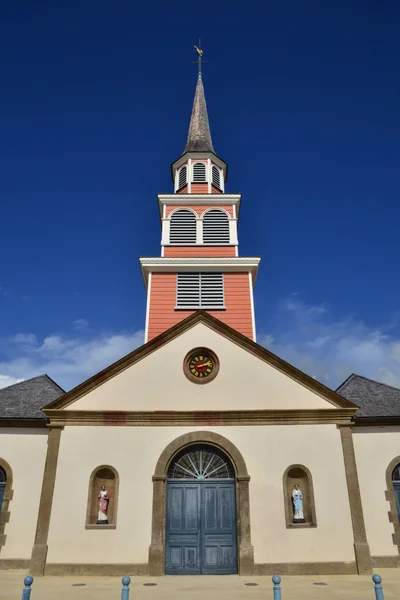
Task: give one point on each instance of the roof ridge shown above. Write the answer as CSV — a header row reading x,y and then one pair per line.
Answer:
x,y
347,381
49,379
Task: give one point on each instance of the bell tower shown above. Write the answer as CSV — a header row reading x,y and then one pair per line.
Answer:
x,y
199,267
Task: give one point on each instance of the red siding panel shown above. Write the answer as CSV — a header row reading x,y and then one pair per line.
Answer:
x,y
162,313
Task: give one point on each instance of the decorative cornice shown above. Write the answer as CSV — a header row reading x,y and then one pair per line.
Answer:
x,y
199,200
234,264
210,418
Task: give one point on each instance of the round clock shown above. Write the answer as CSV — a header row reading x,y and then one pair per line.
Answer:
x,y
201,365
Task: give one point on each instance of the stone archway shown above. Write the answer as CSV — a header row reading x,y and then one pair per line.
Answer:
x,y
244,546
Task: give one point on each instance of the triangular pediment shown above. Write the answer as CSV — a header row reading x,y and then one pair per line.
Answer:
x,y
152,378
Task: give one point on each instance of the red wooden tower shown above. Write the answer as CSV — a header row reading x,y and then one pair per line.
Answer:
x,y
199,267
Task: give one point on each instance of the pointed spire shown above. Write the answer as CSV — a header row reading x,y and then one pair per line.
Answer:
x,y
199,136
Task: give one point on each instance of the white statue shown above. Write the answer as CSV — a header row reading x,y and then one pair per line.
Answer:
x,y
103,502
297,499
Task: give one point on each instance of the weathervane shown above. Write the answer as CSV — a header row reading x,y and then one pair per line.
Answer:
x,y
200,60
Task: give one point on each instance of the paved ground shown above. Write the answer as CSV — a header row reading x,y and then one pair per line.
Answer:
x,y
230,587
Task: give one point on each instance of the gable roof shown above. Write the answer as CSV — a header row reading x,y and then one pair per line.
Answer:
x,y
373,398
24,400
218,326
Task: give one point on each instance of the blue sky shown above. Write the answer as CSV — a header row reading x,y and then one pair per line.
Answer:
x,y
303,104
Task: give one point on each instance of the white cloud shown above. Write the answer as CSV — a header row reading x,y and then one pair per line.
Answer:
x,y
25,338
330,349
68,360
80,324
6,380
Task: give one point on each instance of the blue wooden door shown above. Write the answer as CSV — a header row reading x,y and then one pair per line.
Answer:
x,y
201,528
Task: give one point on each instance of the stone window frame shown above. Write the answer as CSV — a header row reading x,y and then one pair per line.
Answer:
x,y
8,496
391,498
245,551
91,496
288,499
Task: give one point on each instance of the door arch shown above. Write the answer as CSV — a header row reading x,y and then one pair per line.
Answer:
x,y
201,513
244,553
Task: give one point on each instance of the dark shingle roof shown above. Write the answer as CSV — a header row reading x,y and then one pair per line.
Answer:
x,y
25,399
374,399
199,136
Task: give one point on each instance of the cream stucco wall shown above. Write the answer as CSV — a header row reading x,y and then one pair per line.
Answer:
x,y
134,452
25,452
375,448
157,382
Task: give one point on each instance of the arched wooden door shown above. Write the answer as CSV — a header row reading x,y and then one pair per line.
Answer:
x,y
201,513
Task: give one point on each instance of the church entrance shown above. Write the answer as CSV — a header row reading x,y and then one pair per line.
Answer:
x,y
201,513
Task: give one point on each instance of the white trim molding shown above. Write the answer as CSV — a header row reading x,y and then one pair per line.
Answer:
x,y
146,331
253,318
210,200
233,264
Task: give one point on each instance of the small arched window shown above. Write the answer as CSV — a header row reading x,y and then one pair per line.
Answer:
x,y
216,177
216,227
182,177
3,481
299,497
102,498
396,487
182,228
199,173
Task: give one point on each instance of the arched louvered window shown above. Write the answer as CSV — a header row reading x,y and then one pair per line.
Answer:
x,y
182,227
216,177
216,227
3,481
199,173
182,178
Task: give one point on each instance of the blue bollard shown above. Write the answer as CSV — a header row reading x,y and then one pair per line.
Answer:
x,y
125,588
26,594
377,579
276,580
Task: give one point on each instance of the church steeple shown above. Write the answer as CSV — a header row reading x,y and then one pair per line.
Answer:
x,y
199,267
199,169
199,136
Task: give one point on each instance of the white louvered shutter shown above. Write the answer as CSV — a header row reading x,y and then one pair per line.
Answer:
x,y
182,177
200,290
182,227
216,227
199,172
216,177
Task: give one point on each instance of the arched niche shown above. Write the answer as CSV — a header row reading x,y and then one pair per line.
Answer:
x,y
107,476
393,497
299,475
6,495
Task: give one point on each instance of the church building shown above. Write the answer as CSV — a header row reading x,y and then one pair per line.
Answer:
x,y
200,452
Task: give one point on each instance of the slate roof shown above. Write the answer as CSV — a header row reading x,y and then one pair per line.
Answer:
x,y
199,136
374,399
25,399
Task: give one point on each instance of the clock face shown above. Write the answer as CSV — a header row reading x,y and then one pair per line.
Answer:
x,y
200,365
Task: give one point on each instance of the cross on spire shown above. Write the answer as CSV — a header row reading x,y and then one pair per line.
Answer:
x,y
200,60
